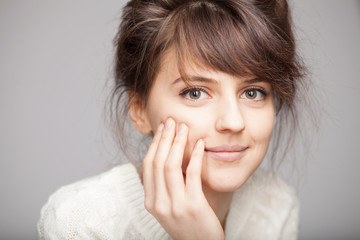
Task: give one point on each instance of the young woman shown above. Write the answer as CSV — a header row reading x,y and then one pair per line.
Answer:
x,y
206,79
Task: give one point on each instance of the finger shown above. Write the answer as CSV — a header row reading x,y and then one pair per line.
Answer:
x,y
193,171
173,171
147,164
161,156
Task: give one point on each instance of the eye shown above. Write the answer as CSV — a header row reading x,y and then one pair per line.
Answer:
x,y
253,94
194,93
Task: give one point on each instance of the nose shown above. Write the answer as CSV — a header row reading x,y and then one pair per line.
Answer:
x,y
229,117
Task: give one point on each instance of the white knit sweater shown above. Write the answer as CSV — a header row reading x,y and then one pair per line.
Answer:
x,y
111,206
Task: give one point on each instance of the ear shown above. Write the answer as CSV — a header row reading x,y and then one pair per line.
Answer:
x,y
138,116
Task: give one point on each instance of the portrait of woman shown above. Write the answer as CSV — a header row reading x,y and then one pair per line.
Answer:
x,y
212,105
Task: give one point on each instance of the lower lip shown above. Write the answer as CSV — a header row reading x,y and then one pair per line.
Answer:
x,y
226,156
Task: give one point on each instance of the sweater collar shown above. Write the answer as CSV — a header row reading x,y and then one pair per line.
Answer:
x,y
146,224
239,211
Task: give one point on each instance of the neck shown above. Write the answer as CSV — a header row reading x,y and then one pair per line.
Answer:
x,y
219,202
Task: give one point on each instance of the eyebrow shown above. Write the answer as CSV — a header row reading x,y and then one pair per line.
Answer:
x,y
196,79
213,81
253,80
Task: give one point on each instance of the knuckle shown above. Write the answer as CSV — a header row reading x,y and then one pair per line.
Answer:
x,y
165,136
148,205
156,164
196,154
192,173
145,165
193,210
160,210
178,140
170,166
177,212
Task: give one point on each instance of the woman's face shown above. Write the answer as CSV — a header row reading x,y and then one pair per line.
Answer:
x,y
233,115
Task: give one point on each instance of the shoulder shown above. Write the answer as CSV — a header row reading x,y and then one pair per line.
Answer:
x,y
88,204
103,187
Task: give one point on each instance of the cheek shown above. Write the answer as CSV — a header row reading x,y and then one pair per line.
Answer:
x,y
192,117
196,123
162,112
259,124
194,120
198,127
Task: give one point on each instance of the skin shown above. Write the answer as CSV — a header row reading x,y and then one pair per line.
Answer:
x,y
187,189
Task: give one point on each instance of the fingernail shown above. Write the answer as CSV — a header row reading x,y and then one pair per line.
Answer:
x,y
181,128
168,123
199,144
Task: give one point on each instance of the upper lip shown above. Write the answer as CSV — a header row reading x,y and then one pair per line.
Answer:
x,y
226,148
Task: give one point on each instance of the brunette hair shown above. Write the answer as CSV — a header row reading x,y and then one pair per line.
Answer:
x,y
238,37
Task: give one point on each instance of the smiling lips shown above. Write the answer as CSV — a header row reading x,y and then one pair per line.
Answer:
x,y
226,153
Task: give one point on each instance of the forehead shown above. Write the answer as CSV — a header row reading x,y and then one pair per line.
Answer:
x,y
176,66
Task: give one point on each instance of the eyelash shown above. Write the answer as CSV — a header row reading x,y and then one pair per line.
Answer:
x,y
200,89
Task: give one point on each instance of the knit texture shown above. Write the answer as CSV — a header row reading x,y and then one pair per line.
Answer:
x,y
111,206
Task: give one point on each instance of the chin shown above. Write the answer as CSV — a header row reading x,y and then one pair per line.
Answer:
x,y
227,176
224,181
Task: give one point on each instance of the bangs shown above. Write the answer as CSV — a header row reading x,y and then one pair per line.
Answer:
x,y
207,36
234,38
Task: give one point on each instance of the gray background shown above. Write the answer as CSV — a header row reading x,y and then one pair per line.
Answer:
x,y
55,60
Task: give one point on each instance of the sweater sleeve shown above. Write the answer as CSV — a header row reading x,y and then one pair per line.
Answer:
x,y
62,218
87,209
60,221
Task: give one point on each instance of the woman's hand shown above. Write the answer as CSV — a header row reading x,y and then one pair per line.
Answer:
x,y
178,202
